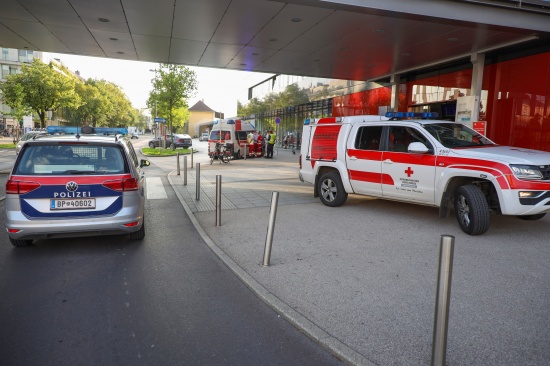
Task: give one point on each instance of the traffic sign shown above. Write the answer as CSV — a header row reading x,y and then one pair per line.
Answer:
x,y
160,120
277,120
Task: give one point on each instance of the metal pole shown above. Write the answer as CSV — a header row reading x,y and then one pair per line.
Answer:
x,y
270,228
178,164
185,170
218,200
442,300
191,157
245,151
198,183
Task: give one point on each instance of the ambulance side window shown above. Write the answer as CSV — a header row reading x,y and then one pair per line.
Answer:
x,y
368,138
400,137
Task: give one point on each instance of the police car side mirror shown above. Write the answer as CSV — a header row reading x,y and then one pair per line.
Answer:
x,y
143,163
417,148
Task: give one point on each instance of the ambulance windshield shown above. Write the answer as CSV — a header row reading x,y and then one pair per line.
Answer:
x,y
456,135
215,135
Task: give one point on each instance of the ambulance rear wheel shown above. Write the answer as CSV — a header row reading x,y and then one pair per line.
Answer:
x,y
472,210
331,190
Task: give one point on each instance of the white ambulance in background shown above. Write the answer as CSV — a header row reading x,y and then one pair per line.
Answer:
x,y
230,131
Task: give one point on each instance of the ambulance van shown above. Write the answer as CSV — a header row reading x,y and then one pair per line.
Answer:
x,y
230,132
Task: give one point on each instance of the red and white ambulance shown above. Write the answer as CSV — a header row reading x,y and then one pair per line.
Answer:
x,y
406,157
230,132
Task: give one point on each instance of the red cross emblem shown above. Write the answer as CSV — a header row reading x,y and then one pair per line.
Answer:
x,y
409,172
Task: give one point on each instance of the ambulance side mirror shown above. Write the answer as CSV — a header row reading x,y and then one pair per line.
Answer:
x,y
417,148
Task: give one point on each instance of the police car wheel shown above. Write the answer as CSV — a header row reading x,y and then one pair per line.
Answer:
x,y
20,243
472,210
532,217
331,190
140,234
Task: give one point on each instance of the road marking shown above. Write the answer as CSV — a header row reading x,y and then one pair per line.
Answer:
x,y
155,189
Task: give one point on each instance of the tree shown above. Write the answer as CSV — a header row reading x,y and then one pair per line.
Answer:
x,y
173,85
43,89
95,105
18,108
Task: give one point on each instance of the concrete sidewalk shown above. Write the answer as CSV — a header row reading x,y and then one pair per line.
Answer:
x,y
361,278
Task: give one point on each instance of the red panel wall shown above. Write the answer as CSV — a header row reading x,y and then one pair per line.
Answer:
x,y
365,102
517,92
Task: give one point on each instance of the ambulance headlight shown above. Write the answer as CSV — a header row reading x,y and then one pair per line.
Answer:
x,y
530,172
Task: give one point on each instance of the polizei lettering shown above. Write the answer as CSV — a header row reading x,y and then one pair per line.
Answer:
x,y
71,194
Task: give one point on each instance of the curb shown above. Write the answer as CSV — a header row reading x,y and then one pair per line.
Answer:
x,y
317,334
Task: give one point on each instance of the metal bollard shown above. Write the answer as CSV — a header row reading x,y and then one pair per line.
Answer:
x,y
270,228
178,162
185,170
218,200
191,158
442,300
245,152
198,183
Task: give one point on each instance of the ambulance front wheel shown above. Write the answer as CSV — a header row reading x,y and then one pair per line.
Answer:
x,y
472,210
331,190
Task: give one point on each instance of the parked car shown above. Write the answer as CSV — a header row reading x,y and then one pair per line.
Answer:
x,y
27,136
204,136
135,135
180,140
67,186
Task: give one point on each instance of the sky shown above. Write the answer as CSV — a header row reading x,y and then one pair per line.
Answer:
x,y
217,88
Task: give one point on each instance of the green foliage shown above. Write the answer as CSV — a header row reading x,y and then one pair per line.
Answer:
x,y
173,85
291,96
41,88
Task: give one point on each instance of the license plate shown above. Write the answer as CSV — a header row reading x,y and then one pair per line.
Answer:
x,y
72,204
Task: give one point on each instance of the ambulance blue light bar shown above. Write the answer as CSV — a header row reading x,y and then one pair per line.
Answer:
x,y
306,121
401,115
74,130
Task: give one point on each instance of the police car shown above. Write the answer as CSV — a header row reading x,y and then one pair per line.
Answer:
x,y
75,182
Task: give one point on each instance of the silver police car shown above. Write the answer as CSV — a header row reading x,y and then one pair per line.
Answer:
x,y
73,185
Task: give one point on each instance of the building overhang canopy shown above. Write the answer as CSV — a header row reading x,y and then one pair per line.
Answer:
x,y
341,39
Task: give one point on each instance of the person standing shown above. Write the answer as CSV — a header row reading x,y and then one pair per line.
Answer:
x,y
250,141
259,145
270,145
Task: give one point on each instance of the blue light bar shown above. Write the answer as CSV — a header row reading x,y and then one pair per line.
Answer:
x,y
111,130
306,121
401,115
230,122
67,130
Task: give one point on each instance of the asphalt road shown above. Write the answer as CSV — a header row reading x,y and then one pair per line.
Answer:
x,y
166,300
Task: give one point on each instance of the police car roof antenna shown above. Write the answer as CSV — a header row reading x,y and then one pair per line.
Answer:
x,y
77,134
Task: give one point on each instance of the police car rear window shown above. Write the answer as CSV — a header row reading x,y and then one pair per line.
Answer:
x,y
71,160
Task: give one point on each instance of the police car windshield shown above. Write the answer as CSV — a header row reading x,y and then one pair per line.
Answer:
x,y
456,135
71,160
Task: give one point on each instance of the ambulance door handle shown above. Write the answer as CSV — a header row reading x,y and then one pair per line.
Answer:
x,y
353,158
388,161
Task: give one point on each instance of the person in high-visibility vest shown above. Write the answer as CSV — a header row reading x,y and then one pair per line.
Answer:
x,y
270,144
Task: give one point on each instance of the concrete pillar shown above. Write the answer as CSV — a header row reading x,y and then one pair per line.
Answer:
x,y
395,80
478,62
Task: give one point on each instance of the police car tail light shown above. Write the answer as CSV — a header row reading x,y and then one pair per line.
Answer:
x,y
20,187
131,224
122,185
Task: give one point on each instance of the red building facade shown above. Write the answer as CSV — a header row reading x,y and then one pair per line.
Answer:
x,y
515,99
